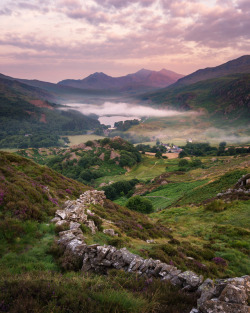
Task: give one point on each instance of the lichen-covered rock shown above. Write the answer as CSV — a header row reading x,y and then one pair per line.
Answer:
x,y
110,232
216,306
190,279
234,294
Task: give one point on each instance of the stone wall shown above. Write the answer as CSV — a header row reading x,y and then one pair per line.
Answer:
x,y
221,296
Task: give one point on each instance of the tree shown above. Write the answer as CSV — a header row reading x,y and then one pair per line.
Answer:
x,y
158,154
140,204
183,163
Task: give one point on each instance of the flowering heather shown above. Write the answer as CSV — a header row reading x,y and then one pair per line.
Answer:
x,y
1,196
47,178
219,261
54,200
68,191
21,213
139,226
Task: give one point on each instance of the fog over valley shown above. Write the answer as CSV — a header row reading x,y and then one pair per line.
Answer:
x,y
111,112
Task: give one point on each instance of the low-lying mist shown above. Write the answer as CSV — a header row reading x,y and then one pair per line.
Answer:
x,y
112,108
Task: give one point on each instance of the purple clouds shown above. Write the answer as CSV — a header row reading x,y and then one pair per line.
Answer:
x,y
121,35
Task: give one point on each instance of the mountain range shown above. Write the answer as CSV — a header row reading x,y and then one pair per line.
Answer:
x,y
142,79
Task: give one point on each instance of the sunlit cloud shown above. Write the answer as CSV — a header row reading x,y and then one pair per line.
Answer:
x,y
126,34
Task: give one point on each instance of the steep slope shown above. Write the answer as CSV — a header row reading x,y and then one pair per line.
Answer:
x,y
24,111
240,65
58,93
225,97
139,80
31,262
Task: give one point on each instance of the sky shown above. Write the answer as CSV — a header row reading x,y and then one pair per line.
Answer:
x,y
53,40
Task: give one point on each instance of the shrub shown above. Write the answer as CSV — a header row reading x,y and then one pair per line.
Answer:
x,y
117,242
216,206
140,204
196,163
62,227
219,261
158,154
84,229
183,163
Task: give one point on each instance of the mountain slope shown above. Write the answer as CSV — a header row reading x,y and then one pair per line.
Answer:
x,y
139,80
28,120
240,65
225,97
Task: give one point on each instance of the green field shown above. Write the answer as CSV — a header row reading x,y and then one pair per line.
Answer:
x,y
226,233
76,140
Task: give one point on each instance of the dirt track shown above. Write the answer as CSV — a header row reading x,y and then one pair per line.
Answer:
x,y
169,155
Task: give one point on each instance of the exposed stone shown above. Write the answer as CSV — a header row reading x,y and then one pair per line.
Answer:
x,y
55,220
215,306
62,223
110,232
233,294
62,214
150,241
74,225
191,279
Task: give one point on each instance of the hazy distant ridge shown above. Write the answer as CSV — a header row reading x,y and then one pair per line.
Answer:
x,y
139,80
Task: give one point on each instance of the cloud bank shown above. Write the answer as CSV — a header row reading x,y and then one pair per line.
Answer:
x,y
125,109
74,38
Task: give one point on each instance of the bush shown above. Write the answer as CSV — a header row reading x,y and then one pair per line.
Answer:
x,y
183,163
216,206
117,242
140,204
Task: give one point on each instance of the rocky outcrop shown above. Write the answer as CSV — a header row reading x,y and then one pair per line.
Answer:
x,y
224,296
77,211
240,190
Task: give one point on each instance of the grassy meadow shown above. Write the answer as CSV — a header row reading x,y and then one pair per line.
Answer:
x,y
77,139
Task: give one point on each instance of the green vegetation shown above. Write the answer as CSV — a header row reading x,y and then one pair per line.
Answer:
x,y
213,95
106,157
78,139
123,126
224,234
120,188
117,292
28,120
140,204
191,229
204,149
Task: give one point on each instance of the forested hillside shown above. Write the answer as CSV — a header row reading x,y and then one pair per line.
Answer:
x,y
28,120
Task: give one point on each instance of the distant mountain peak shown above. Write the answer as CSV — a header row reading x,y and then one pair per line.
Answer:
x,y
98,74
142,79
